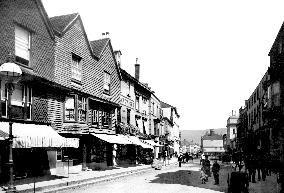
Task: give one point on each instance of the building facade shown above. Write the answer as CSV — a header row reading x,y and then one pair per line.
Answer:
x,y
171,116
212,144
232,131
28,39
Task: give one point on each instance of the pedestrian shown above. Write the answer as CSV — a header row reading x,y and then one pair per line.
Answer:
x,y
164,158
203,176
251,168
206,165
179,160
215,171
202,158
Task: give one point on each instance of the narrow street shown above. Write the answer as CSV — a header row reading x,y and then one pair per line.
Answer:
x,y
170,179
175,179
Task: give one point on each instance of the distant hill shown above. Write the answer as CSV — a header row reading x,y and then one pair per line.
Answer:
x,y
195,135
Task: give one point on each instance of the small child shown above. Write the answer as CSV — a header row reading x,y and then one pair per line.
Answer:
x,y
203,176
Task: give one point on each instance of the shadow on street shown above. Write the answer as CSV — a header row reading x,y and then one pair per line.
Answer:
x,y
190,178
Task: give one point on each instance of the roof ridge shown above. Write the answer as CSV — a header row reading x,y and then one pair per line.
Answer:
x,y
56,16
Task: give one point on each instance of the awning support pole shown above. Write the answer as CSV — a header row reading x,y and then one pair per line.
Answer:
x,y
84,164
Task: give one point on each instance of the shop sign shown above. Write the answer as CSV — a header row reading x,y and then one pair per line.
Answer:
x,y
126,102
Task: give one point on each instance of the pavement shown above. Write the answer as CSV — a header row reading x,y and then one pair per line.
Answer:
x,y
83,178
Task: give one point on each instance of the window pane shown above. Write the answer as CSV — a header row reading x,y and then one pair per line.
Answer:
x,y
17,96
95,120
106,82
70,109
22,38
82,109
76,68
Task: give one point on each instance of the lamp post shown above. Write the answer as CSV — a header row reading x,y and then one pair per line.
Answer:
x,y
10,73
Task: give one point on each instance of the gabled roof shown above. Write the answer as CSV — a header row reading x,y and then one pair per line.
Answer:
x,y
165,105
212,137
275,43
61,23
45,18
98,46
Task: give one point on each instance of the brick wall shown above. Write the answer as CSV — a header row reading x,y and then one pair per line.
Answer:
x,y
26,14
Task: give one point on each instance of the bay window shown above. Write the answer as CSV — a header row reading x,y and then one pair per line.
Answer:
x,y
95,118
70,108
101,119
82,106
75,109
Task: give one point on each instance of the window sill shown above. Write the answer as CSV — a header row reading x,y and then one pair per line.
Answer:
x,y
21,61
69,121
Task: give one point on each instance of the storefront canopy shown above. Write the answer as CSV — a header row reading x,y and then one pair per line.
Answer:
x,y
137,141
111,138
153,143
31,135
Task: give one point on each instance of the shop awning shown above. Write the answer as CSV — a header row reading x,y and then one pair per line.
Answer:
x,y
153,143
137,141
111,138
31,135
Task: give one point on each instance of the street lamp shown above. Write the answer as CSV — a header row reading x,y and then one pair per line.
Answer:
x,y
10,73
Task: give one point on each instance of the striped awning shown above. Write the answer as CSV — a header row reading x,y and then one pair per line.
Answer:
x,y
153,143
32,135
137,141
111,138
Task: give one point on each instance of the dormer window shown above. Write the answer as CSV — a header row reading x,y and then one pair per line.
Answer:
x,y
22,45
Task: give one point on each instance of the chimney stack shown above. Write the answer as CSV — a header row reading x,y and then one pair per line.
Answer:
x,y
137,69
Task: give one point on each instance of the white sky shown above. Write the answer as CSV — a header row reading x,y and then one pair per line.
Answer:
x,y
205,57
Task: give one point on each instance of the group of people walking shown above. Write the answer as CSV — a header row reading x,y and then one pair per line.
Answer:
x,y
205,171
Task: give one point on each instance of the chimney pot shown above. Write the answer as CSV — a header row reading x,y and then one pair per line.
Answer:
x,y
137,70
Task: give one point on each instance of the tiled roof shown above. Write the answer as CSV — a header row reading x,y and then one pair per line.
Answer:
x,y
59,23
212,137
165,105
98,46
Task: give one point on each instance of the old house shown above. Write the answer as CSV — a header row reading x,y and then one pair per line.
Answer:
x,y
28,39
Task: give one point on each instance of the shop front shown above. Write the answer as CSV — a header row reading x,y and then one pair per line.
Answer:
x,y
110,150
35,149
